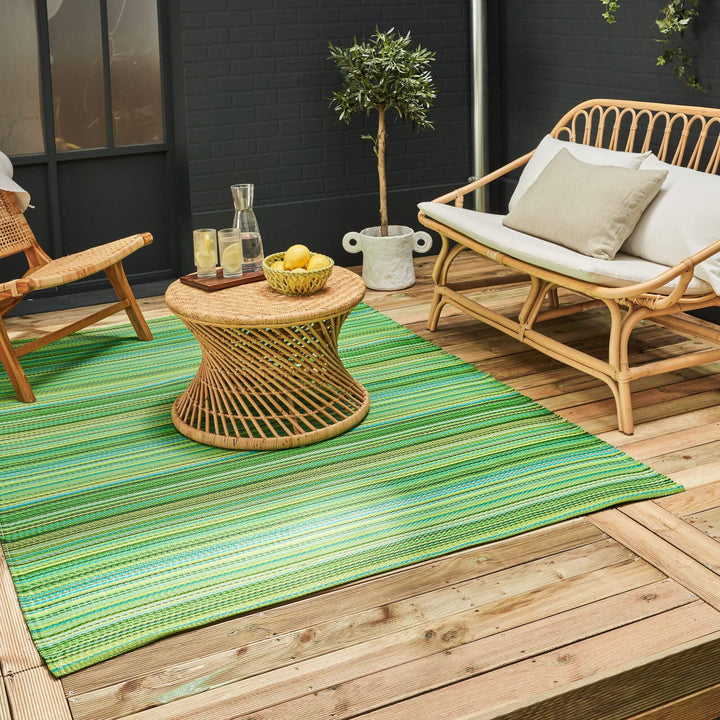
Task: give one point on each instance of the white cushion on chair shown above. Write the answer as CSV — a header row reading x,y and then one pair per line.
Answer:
x,y
683,219
488,229
549,147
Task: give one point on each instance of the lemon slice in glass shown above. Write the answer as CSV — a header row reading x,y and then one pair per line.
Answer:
x,y
231,258
205,260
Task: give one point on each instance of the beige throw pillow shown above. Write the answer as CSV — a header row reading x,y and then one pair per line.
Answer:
x,y
550,146
588,208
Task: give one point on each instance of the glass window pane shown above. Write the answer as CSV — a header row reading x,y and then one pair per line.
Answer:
x,y
20,118
77,74
135,71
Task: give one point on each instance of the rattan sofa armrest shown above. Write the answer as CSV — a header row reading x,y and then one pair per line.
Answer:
x,y
682,270
484,180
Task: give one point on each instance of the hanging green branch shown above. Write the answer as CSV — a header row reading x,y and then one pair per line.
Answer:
x,y
611,7
676,18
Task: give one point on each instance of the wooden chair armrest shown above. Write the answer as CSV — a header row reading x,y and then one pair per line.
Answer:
x,y
14,288
484,180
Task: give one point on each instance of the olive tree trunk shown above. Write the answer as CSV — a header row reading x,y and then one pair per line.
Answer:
x,y
381,172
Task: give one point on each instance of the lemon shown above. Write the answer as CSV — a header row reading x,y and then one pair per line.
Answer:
x,y
316,262
205,260
277,265
299,270
232,258
296,257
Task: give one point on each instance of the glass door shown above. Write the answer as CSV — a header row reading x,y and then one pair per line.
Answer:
x,y
83,116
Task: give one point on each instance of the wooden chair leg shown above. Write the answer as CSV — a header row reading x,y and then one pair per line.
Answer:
x,y
13,368
116,274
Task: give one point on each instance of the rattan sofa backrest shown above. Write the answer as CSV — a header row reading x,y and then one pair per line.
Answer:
x,y
15,234
678,134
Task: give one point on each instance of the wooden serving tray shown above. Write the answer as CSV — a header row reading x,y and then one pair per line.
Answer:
x,y
219,282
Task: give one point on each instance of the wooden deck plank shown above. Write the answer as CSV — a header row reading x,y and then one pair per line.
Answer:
x,y
666,557
697,475
497,596
701,454
692,501
678,441
657,429
36,695
341,687
677,532
551,684
707,523
4,708
17,650
702,705
362,595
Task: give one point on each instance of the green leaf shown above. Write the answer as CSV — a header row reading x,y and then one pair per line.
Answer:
x,y
676,17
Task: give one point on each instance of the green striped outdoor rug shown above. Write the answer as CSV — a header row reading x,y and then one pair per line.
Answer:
x,y
118,530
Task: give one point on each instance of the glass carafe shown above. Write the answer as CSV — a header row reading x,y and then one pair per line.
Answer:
x,y
246,222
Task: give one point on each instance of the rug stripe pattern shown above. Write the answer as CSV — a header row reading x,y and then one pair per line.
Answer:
x,y
119,531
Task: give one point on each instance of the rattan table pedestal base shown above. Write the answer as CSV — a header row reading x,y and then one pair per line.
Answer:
x,y
274,385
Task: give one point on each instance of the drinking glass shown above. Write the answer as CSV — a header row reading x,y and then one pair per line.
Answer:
x,y
205,248
231,252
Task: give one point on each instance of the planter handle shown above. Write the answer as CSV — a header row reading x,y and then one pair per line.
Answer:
x,y
352,242
422,241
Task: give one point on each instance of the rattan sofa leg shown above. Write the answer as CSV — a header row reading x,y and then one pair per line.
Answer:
x,y
436,306
13,368
440,272
120,284
624,407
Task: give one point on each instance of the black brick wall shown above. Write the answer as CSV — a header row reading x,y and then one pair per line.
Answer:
x,y
552,55
257,81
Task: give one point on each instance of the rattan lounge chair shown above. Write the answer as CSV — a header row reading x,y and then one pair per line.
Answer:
x,y
44,272
633,290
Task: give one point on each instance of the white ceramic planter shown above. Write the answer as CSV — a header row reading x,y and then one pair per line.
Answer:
x,y
388,261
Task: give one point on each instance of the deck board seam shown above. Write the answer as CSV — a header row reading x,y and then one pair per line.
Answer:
x,y
678,532
670,560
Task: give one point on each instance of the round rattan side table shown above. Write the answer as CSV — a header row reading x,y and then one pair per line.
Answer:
x,y
270,375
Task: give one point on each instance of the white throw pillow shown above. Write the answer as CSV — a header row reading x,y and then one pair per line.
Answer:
x,y
549,147
683,219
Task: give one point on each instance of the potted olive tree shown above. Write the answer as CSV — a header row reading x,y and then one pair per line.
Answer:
x,y
385,74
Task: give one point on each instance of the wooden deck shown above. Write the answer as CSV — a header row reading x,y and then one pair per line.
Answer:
x,y
615,615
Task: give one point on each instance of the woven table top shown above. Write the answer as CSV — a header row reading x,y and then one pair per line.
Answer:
x,y
257,304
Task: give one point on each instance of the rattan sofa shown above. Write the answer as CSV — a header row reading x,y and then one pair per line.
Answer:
x,y
679,135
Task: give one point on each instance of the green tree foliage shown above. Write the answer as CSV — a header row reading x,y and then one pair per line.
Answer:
x,y
381,74
676,17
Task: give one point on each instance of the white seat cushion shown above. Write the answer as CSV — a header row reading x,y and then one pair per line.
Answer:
x,y
549,147
488,229
683,219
